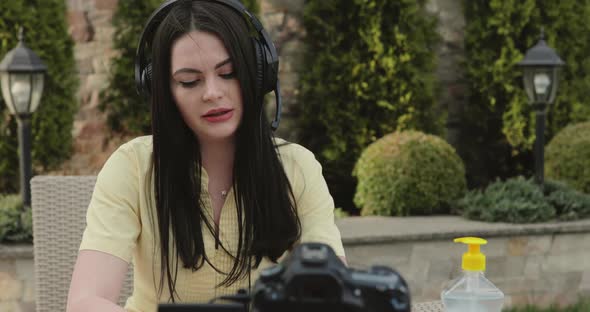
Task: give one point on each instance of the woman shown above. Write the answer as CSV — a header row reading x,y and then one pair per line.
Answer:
x,y
209,199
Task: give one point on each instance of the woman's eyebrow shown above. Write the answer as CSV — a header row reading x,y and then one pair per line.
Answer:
x,y
196,71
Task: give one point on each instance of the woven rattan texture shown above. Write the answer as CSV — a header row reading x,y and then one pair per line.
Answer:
x,y
59,206
434,306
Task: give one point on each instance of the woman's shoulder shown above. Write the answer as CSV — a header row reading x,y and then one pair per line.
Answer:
x,y
137,150
294,155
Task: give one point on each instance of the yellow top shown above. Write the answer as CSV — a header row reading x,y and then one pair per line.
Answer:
x,y
473,259
118,223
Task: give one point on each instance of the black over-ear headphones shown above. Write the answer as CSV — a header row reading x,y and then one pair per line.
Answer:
x,y
267,58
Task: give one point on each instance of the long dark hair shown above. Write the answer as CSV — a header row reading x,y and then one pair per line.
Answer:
x,y
268,224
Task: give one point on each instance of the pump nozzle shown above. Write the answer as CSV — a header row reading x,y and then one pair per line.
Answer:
x,y
473,259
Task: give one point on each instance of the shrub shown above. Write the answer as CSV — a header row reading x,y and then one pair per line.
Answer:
x,y
568,156
16,225
368,70
45,33
498,123
520,200
128,112
407,173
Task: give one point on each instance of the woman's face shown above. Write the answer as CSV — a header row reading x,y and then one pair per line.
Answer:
x,y
204,86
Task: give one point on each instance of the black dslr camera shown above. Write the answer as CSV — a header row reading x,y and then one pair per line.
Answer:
x,y
313,278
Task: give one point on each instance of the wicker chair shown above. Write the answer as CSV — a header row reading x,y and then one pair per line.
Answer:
x,y
59,217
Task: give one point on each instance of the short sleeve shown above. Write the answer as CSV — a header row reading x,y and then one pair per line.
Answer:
x,y
314,202
112,220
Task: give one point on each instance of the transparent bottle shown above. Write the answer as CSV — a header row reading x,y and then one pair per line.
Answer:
x,y
472,291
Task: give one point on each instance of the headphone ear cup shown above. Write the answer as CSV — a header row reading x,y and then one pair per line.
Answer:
x,y
146,79
271,71
260,61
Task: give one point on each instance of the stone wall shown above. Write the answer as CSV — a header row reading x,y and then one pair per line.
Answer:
x,y
540,264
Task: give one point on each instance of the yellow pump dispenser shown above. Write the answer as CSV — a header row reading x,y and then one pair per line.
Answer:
x,y
473,259
472,291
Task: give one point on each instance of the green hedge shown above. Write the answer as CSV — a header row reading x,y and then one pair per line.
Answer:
x,y
16,225
127,111
368,71
46,33
408,173
567,156
520,200
498,123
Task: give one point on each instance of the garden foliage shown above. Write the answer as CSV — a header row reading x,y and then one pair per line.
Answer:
x,y
567,156
45,32
16,225
408,173
520,200
498,122
368,71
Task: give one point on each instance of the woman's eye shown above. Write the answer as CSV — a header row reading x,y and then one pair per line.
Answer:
x,y
188,84
228,75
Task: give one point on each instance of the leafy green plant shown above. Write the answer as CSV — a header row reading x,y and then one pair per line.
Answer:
x,y
498,123
567,156
408,173
16,225
46,33
520,200
368,70
128,113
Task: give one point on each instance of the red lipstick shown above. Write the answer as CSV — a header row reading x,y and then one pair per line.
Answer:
x,y
218,115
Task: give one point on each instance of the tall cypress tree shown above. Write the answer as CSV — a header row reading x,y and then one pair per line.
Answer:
x,y
368,71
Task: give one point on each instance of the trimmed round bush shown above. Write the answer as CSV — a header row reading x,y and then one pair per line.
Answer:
x,y
408,173
567,156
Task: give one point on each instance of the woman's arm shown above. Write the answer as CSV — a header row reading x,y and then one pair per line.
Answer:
x,y
96,282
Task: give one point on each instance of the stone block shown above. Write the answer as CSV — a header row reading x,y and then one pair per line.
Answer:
x,y
25,269
8,266
505,266
110,5
28,291
80,27
532,267
496,247
378,254
539,244
570,243
517,246
567,262
9,306
10,287
443,270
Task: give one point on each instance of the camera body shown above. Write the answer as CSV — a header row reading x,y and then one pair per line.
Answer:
x,y
313,278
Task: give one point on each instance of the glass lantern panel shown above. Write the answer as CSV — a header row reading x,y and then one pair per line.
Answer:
x,y
5,81
21,89
543,84
38,80
528,77
555,84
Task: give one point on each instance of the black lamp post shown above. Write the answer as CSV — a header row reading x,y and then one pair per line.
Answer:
x,y
541,67
22,75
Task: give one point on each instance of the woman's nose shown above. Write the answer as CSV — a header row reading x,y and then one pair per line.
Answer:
x,y
212,90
